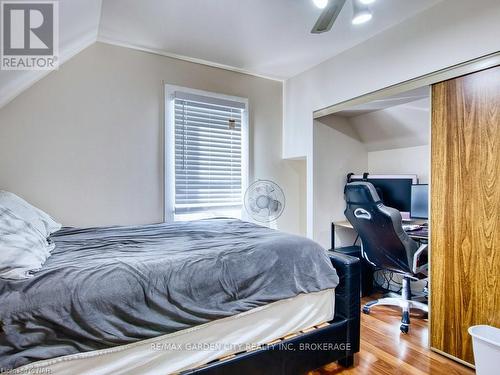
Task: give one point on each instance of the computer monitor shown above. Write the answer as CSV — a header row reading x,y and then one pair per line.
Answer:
x,y
393,190
419,202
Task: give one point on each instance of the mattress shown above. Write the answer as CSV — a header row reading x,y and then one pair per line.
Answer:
x,y
114,286
198,345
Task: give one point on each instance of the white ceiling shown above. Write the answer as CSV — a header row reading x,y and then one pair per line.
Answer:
x,y
264,37
267,37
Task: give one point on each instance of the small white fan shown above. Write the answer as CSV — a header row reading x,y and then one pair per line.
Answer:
x,y
264,201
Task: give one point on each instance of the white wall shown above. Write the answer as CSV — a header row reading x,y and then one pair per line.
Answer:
x,y
337,151
408,160
85,143
449,33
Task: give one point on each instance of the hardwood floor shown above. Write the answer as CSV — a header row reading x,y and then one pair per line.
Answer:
x,y
384,350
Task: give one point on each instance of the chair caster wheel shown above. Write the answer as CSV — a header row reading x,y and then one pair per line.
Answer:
x,y
366,310
404,328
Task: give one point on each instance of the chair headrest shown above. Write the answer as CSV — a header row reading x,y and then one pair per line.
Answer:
x,y
361,192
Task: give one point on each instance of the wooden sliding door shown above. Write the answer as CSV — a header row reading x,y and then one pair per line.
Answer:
x,y
465,210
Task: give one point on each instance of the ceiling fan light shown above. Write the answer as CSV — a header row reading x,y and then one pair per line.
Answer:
x,y
361,13
361,18
321,4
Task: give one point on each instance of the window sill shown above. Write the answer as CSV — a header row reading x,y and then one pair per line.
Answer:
x,y
207,215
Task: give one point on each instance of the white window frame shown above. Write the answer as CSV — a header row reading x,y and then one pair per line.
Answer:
x,y
169,151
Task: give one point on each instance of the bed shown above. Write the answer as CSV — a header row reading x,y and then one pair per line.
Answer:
x,y
171,298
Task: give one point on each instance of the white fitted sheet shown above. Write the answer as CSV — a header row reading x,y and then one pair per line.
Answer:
x,y
196,346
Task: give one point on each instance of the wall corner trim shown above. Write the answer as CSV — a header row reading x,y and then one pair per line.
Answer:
x,y
160,52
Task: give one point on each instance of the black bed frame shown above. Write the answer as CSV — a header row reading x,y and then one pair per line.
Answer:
x,y
337,341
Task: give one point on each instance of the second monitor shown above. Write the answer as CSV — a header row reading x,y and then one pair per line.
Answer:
x,y
419,202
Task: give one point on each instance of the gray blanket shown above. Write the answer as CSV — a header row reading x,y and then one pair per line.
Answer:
x,y
104,287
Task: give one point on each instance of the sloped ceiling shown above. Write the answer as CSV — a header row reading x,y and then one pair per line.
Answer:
x,y
262,37
78,28
392,101
387,124
405,125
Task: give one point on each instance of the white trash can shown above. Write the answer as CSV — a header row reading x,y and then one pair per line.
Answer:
x,y
486,346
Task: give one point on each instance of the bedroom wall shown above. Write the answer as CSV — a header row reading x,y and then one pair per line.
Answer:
x,y
337,151
85,143
406,160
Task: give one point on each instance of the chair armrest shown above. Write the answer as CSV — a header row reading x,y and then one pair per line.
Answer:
x,y
418,267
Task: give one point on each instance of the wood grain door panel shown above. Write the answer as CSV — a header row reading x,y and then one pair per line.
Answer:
x,y
465,209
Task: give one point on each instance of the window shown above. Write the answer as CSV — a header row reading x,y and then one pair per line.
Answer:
x,y
205,154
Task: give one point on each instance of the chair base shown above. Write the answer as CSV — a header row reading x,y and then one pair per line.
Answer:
x,y
404,301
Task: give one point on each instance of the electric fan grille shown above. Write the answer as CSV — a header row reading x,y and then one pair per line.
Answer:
x,y
264,201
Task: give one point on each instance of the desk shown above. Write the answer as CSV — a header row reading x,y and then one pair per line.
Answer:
x,y
419,235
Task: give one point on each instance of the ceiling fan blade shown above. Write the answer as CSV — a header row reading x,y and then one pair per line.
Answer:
x,y
328,16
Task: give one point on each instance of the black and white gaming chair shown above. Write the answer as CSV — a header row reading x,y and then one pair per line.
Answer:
x,y
386,245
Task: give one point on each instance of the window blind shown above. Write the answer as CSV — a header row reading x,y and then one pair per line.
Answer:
x,y
208,154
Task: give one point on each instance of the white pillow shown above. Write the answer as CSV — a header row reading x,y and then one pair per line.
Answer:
x,y
23,250
32,215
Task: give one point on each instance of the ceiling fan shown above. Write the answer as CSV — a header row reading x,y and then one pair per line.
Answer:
x,y
332,8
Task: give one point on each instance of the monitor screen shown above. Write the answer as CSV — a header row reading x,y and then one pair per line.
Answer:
x,y
393,192
419,202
